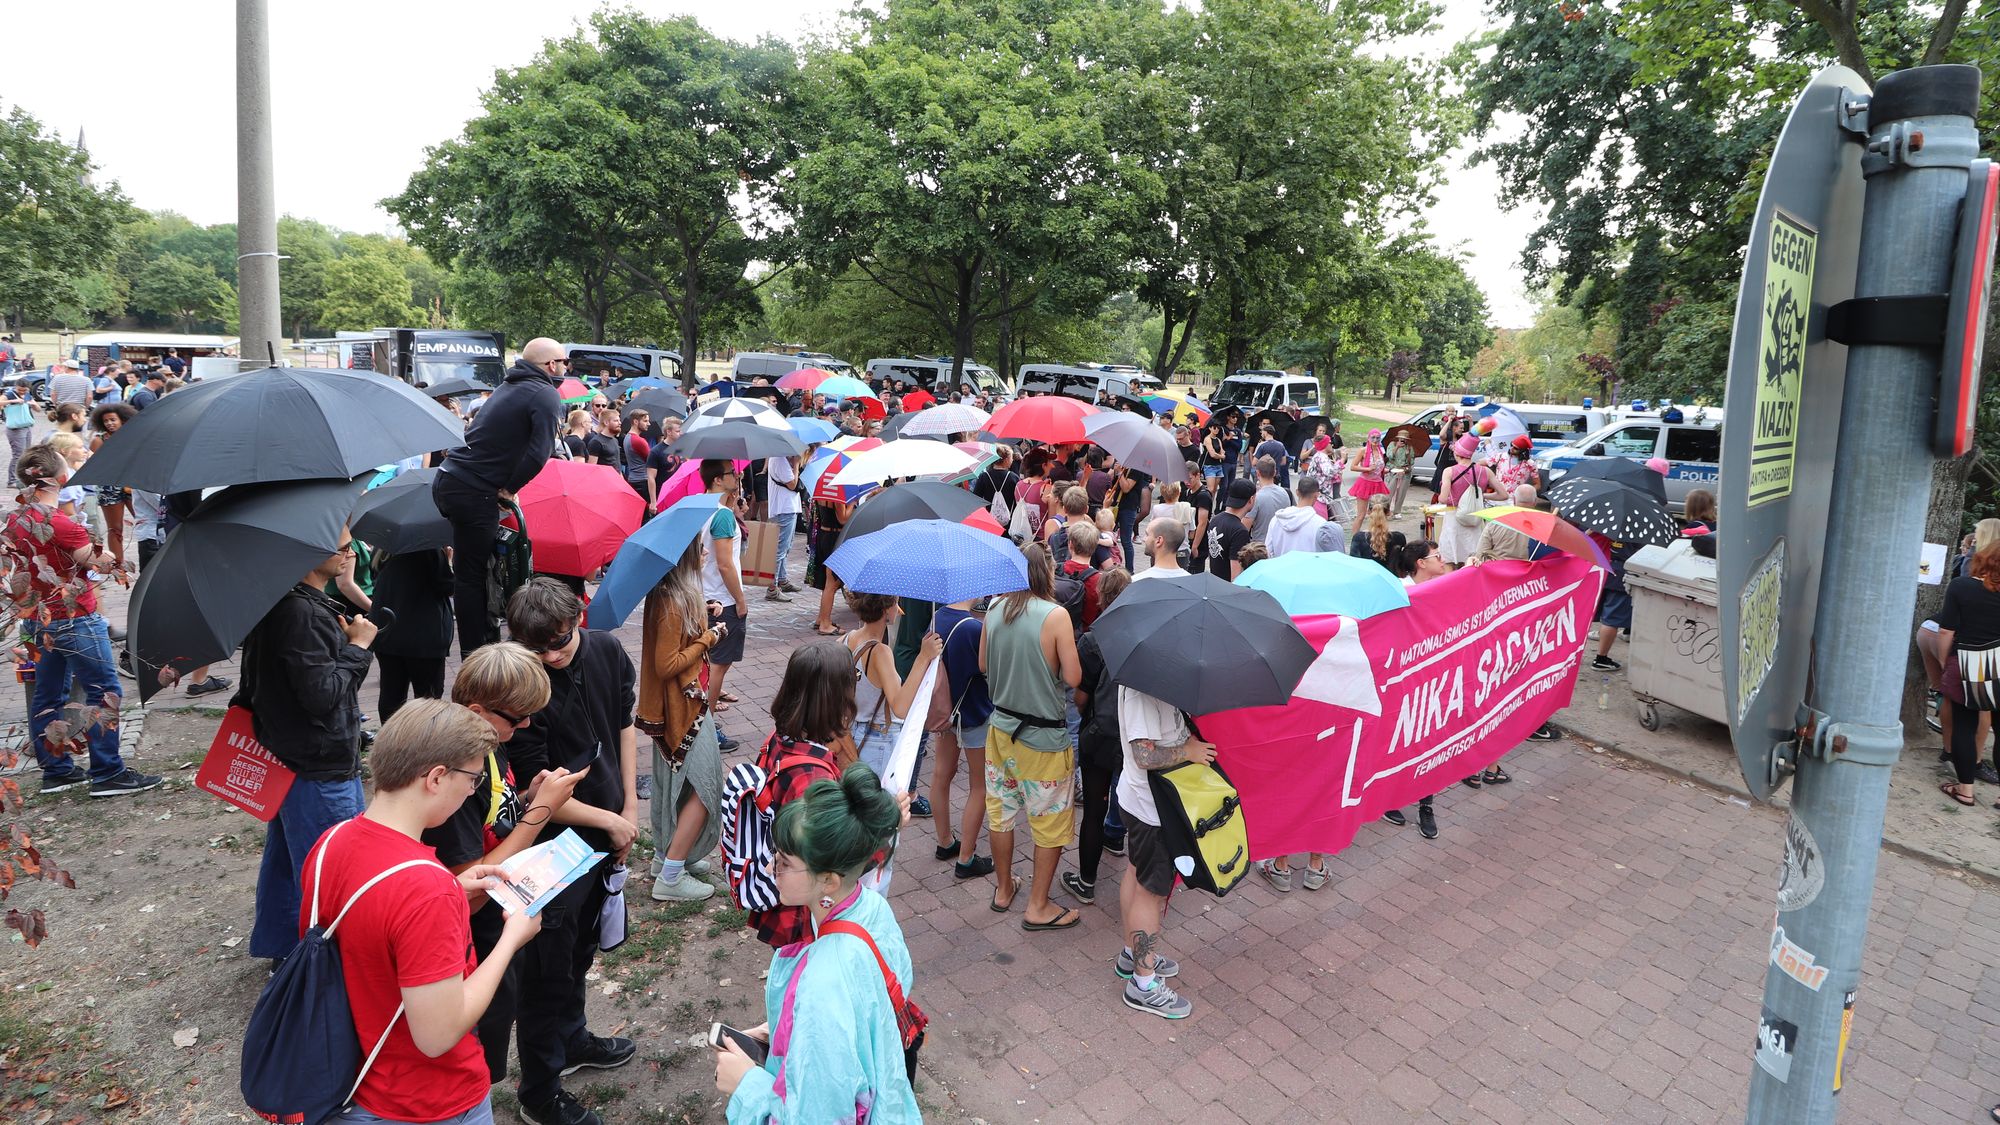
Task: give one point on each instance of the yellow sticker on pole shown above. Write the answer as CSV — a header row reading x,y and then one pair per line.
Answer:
x,y
1781,364
1846,1029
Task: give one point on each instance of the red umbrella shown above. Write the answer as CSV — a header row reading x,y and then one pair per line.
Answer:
x,y
578,515
917,400
1546,527
984,521
573,390
804,379
1054,419
872,409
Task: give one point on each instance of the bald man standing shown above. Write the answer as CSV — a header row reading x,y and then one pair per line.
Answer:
x,y
508,442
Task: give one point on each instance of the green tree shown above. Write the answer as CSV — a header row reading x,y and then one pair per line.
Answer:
x,y
307,248
958,158
366,288
56,227
181,290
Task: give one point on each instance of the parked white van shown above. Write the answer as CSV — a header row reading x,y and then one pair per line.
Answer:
x,y
1087,380
929,372
774,365
1549,424
1252,391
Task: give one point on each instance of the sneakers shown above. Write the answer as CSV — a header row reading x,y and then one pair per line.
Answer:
x,y
1395,817
724,742
1085,893
1543,733
602,1053
1114,845
701,867
1313,880
1281,881
1987,773
210,686
644,784
70,780
920,806
1606,664
981,865
687,888
1427,822
1162,966
563,1109
1159,1000
791,587
124,785
125,665
776,594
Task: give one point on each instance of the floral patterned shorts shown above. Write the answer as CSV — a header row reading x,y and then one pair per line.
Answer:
x,y
1038,783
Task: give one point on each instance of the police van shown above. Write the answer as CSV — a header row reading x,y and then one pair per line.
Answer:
x,y
1089,380
1691,447
931,373
1549,424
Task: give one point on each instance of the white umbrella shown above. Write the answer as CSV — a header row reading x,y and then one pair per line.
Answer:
x,y
736,410
1137,443
947,418
1507,426
911,458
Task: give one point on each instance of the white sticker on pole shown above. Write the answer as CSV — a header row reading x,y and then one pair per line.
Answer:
x,y
1805,869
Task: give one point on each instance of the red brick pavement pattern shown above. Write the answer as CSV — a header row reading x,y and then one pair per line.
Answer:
x,y
1584,945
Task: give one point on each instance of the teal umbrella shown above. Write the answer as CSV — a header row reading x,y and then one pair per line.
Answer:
x,y
1313,583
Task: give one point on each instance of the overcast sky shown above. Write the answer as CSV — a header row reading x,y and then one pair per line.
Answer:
x,y
360,88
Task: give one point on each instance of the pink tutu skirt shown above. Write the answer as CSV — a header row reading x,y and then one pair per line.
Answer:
x,y
1363,488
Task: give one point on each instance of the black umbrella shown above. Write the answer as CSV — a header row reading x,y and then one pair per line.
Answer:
x,y
778,399
1281,423
1614,511
1619,470
660,402
399,516
452,388
224,567
893,428
281,423
737,440
992,438
1203,644
915,500
1302,431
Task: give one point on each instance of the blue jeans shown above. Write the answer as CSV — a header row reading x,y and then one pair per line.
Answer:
x,y
309,809
77,648
1128,525
788,526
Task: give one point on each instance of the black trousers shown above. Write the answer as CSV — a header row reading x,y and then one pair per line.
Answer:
x,y
474,513
1097,785
404,676
549,1023
1965,743
497,1024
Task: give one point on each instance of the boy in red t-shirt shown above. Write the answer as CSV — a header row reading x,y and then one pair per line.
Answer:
x,y
407,941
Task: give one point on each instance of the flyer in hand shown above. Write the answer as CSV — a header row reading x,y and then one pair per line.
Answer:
x,y
534,877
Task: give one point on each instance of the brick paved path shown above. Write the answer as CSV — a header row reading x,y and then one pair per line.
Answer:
x,y
1583,945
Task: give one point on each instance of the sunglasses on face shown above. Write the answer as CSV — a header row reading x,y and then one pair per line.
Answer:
x,y
512,720
556,645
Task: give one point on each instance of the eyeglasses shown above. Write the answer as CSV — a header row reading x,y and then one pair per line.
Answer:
x,y
478,779
557,645
346,548
784,865
513,720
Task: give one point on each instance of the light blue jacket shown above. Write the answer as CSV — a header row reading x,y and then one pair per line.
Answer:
x,y
844,1058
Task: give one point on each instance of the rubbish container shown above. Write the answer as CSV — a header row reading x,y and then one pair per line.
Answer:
x,y
1676,654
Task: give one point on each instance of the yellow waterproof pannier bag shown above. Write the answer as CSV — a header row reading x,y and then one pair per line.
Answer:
x,y
1201,824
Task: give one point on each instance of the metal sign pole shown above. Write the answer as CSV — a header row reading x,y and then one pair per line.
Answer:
x,y
1921,139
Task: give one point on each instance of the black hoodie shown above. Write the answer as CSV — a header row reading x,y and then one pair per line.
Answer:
x,y
514,433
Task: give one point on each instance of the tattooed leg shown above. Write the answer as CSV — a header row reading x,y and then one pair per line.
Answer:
x,y
1140,910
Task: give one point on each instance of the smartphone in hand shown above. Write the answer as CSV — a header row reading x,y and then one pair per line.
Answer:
x,y
757,1049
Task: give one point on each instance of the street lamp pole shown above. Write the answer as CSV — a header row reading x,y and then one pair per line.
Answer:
x,y
259,326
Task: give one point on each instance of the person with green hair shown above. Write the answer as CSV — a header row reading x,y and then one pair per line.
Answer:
x,y
837,1053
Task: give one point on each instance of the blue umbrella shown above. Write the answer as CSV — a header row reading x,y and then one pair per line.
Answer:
x,y
813,431
1310,583
931,560
646,557
624,387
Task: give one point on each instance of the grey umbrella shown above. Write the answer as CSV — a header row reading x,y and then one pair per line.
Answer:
x,y
739,440
226,565
1202,644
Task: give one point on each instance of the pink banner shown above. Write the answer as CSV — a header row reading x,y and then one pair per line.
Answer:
x,y
1405,703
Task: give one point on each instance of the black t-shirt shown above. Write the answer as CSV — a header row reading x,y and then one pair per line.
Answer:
x,y
1002,480
577,448
1129,502
1972,611
1191,452
1226,535
590,702
663,463
1201,500
603,448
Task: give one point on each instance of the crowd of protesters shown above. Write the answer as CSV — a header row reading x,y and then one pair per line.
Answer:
x,y
539,732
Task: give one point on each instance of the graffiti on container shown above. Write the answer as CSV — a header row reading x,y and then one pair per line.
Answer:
x,y
1697,640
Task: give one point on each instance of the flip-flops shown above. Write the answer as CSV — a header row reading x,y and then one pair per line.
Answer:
x,y
1075,920
1013,892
